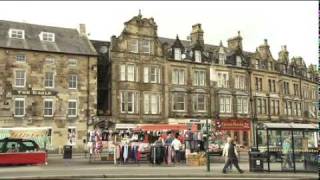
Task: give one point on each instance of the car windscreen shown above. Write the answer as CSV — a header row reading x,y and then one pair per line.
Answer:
x,y
28,143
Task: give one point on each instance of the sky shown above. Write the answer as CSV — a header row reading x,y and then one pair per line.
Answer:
x,y
294,23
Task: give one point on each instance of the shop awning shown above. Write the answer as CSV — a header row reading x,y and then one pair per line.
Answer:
x,y
125,126
165,127
289,126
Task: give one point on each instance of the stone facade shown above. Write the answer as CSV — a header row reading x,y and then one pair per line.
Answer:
x,y
236,84
47,80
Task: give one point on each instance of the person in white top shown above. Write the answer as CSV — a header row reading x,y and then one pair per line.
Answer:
x,y
230,152
225,152
176,144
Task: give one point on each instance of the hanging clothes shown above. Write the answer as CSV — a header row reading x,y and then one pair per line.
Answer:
x,y
125,152
169,154
118,151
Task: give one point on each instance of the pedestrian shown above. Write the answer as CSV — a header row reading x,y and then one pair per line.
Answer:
x,y
225,152
232,155
176,144
286,154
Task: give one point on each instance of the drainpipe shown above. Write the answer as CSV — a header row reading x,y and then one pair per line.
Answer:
x,y
88,94
253,137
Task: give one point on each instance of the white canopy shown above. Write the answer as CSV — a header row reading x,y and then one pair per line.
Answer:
x,y
290,126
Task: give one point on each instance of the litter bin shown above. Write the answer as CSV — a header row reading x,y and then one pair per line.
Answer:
x,y
67,152
255,161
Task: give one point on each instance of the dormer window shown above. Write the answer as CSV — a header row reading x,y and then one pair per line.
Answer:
x,y
257,64
47,36
197,56
177,53
270,66
16,33
238,60
222,58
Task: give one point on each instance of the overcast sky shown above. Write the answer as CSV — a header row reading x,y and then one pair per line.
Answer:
x,y
294,24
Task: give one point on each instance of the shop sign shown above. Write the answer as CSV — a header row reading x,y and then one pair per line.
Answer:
x,y
233,124
34,92
194,120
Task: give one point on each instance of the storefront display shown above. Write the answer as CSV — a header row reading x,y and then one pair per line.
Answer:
x,y
238,129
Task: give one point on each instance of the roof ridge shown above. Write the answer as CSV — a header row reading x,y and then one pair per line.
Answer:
x,y
32,24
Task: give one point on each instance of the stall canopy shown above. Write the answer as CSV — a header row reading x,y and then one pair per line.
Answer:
x,y
125,126
165,127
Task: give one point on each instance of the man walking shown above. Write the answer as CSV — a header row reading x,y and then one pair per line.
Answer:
x,y
225,152
232,155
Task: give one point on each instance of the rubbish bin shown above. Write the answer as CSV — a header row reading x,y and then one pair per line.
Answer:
x,y
255,160
67,152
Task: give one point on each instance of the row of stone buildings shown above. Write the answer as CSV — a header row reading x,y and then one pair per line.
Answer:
x,y
58,78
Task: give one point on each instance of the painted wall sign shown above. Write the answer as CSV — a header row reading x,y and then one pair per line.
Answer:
x,y
34,92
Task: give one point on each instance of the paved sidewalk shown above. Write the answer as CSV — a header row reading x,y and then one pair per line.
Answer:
x,y
78,168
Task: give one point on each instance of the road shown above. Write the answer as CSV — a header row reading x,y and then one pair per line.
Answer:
x,y
79,168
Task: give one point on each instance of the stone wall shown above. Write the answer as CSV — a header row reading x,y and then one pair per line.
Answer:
x,y
36,65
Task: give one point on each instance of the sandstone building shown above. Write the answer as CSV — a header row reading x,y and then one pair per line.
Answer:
x,y
151,79
47,80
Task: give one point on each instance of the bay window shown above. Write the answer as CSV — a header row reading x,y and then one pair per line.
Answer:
x,y
179,101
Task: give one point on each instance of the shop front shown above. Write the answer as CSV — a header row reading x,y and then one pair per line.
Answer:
x,y
289,147
238,129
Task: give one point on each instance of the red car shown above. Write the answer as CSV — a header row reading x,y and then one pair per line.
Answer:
x,y
21,151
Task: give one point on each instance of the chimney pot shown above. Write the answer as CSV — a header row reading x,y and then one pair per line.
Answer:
x,y
284,48
265,41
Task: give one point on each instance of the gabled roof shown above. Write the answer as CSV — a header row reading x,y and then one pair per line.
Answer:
x,y
207,47
67,40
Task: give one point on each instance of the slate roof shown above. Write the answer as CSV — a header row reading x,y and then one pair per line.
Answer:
x,y
67,40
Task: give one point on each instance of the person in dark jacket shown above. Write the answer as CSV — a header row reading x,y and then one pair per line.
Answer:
x,y
232,155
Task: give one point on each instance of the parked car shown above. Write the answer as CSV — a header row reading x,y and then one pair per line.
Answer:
x,y
21,151
21,145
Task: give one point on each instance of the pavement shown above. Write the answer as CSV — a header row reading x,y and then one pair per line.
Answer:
x,y
80,168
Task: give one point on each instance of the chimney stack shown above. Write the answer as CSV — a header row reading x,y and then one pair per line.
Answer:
x,y
264,49
235,43
82,29
197,35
